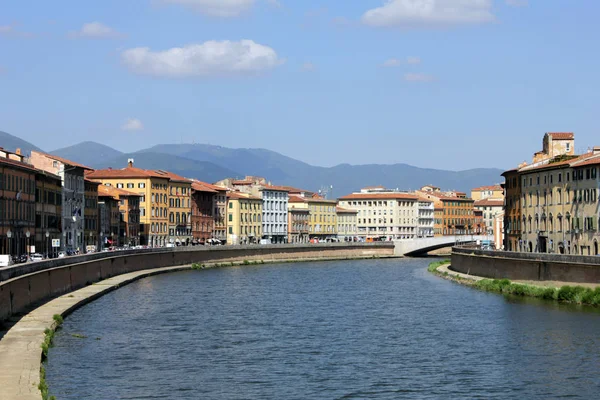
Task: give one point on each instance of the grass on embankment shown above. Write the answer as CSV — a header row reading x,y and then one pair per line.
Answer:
x,y
46,344
565,294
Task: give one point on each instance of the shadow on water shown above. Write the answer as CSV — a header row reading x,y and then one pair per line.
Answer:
x,y
551,304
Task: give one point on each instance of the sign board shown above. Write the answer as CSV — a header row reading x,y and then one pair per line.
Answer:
x,y
55,242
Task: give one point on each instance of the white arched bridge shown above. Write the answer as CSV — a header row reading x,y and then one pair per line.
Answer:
x,y
415,247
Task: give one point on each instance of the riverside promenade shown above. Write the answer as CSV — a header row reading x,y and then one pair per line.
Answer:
x,y
81,282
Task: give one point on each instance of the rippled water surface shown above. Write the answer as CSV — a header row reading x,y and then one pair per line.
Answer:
x,y
377,329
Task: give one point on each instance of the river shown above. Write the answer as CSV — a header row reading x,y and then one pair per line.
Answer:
x,y
370,329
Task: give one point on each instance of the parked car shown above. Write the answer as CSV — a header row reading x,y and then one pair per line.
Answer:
x,y
62,254
36,257
5,260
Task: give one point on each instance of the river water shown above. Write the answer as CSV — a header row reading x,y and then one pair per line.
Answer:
x,y
376,329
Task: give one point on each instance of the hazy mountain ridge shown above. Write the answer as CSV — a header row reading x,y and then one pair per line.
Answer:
x,y
211,163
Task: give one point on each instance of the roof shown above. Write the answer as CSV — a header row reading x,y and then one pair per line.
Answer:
x,y
492,187
345,211
275,188
241,196
128,172
93,182
18,164
551,164
296,199
292,189
112,191
489,203
204,187
561,135
593,160
63,160
373,187
172,177
379,196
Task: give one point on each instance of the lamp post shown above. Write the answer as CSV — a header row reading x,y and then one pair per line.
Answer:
x,y
91,241
47,244
27,234
9,236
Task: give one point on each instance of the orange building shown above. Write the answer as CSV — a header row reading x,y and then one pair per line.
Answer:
x,y
203,222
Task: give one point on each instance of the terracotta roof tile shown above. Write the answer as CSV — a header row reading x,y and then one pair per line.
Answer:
x,y
112,191
489,203
204,187
492,187
63,160
380,196
128,172
18,164
561,135
345,210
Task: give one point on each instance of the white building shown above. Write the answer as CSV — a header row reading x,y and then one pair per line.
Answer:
x,y
384,214
73,196
275,213
426,219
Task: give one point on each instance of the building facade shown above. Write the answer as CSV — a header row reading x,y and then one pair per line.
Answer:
x,y
109,218
512,211
347,224
384,214
153,190
48,212
17,204
73,196
202,212
298,224
91,235
488,192
244,218
180,208
491,209
425,219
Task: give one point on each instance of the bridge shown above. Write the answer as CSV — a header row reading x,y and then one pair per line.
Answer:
x,y
415,247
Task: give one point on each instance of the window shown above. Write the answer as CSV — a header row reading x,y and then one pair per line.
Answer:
x,y
130,185
119,186
141,185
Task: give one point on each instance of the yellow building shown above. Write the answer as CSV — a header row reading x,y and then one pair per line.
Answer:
x,y
488,192
154,201
244,218
346,220
322,222
180,208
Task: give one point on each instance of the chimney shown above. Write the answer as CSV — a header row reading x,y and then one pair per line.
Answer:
x,y
18,151
130,162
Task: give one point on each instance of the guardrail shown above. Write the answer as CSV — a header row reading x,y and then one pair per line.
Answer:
x,y
17,270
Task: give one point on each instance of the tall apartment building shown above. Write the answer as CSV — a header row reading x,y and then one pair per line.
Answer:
x,y
425,219
202,211
491,209
220,214
91,238
298,222
17,203
559,199
127,231
48,211
180,208
275,205
153,189
347,229
73,196
384,214
244,218
512,211
457,211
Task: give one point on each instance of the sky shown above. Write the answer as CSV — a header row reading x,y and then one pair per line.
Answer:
x,y
450,84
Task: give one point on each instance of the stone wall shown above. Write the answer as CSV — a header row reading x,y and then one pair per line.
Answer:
x,y
527,266
34,283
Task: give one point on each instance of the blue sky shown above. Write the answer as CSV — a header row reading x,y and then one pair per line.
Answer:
x,y
451,84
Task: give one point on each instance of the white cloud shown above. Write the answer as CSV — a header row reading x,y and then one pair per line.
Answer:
x,y
517,3
9,30
394,62
274,3
212,58
95,30
418,77
429,13
308,66
216,8
132,124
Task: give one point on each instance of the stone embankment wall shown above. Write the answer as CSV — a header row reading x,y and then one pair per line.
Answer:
x,y
32,284
526,266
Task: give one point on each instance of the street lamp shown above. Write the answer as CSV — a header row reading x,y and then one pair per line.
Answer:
x,y
9,236
47,244
91,235
27,234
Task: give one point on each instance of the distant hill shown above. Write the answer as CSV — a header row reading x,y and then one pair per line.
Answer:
x,y
12,143
212,163
88,153
344,178
202,170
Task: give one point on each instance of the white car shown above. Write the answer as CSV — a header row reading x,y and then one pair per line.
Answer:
x,y
36,257
62,254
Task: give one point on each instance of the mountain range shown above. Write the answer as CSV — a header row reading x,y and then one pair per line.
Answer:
x,y
211,163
